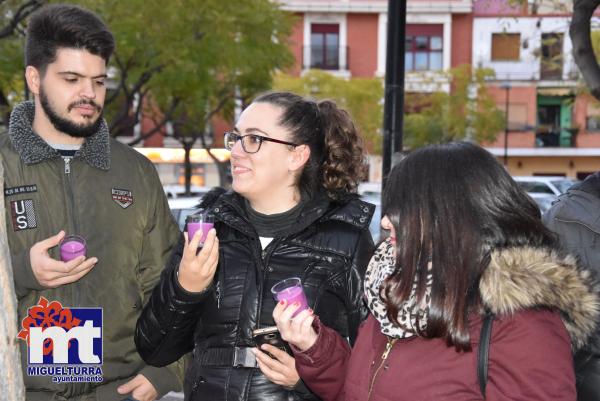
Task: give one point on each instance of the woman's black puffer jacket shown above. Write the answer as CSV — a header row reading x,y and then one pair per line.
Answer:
x,y
329,249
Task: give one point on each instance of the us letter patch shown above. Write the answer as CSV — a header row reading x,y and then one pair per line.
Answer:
x,y
23,214
122,197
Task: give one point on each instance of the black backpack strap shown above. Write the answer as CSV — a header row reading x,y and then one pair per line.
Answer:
x,y
484,352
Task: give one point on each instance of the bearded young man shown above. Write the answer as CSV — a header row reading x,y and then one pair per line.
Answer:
x,y
64,175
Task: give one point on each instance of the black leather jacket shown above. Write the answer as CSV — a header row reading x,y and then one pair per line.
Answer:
x,y
329,249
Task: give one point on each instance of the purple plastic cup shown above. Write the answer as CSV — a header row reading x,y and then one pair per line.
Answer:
x,y
199,221
291,291
71,247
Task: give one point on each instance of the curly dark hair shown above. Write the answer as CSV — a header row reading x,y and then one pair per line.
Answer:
x,y
337,161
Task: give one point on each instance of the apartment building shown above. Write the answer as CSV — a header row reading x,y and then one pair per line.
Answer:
x,y
348,38
553,125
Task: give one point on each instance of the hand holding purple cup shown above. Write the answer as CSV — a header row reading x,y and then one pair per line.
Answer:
x,y
291,290
71,247
201,220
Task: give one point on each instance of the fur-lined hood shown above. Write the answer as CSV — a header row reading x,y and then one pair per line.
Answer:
x,y
33,149
521,278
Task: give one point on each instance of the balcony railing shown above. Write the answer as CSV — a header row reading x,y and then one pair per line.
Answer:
x,y
555,137
325,57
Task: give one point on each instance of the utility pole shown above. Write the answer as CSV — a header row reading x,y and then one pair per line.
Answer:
x,y
506,86
393,111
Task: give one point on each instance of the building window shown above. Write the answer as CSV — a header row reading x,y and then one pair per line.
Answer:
x,y
517,116
424,48
554,125
506,46
325,46
592,120
552,57
593,123
548,130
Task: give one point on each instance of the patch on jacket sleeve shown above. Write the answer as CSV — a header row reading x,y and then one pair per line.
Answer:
x,y
23,214
122,197
23,189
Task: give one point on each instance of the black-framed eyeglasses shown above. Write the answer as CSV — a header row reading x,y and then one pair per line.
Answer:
x,y
250,142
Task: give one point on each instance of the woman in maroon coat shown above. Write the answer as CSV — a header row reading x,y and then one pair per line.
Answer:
x,y
465,240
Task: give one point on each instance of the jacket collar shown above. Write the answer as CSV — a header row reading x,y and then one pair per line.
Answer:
x,y
230,208
591,185
527,277
580,204
33,149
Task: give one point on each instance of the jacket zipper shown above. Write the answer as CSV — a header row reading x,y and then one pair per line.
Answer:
x,y
70,197
264,260
384,356
218,293
71,213
220,274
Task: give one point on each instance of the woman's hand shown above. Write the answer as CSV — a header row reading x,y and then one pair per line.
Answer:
x,y
297,331
139,389
196,271
280,368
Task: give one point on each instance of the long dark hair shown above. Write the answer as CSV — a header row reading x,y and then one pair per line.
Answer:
x,y
337,161
453,204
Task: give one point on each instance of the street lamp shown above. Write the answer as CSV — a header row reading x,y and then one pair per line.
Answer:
x,y
506,86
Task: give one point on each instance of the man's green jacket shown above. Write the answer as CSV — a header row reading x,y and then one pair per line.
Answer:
x,y
111,195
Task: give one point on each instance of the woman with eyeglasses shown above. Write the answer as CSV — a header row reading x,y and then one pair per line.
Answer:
x,y
292,212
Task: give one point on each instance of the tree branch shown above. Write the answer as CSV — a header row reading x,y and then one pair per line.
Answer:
x,y
21,14
583,52
158,125
122,80
130,93
128,120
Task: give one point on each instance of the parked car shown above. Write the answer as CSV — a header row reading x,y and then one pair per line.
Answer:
x,y
544,201
175,191
182,207
369,189
375,226
554,185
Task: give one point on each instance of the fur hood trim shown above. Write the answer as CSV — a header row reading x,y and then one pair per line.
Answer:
x,y
522,278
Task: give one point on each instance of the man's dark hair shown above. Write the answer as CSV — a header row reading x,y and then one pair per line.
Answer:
x,y
65,26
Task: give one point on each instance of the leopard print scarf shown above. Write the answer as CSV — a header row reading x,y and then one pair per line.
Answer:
x,y
382,265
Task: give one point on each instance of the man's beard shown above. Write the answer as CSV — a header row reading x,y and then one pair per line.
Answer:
x,y
69,127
